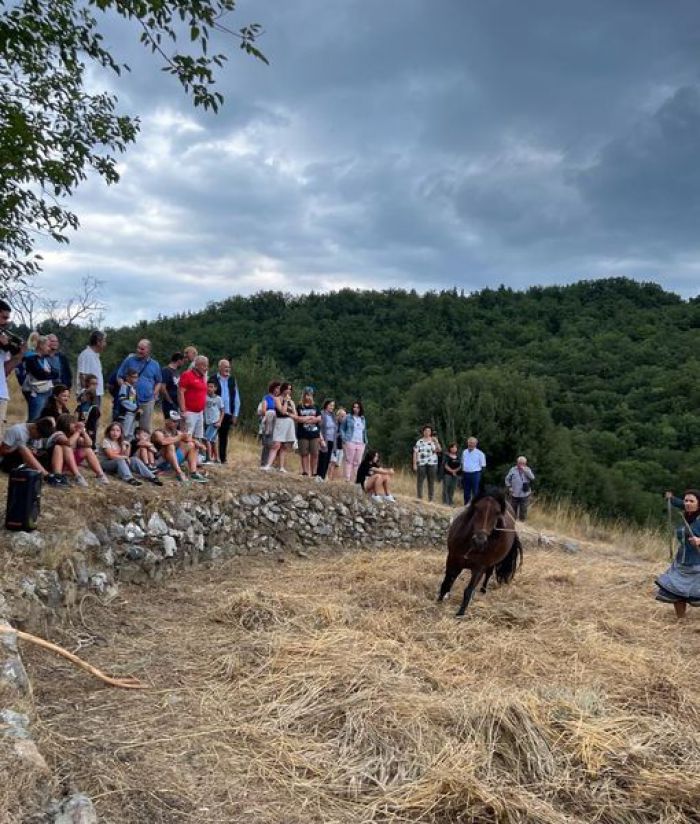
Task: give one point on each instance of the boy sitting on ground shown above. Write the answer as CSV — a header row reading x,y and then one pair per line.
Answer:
x,y
87,410
27,443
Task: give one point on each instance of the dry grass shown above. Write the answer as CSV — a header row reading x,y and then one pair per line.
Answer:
x,y
333,689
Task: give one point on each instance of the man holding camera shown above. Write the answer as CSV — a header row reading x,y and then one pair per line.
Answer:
x,y
519,484
11,352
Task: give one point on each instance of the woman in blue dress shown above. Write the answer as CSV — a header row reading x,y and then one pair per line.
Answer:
x,y
680,584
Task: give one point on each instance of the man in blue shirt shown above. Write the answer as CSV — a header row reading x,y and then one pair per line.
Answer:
x,y
148,385
228,389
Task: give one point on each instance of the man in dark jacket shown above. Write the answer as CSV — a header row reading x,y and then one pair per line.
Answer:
x,y
227,388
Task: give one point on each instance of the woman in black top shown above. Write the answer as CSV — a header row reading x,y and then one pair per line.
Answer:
x,y
451,469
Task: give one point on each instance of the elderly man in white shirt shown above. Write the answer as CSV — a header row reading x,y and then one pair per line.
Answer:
x,y
473,463
89,363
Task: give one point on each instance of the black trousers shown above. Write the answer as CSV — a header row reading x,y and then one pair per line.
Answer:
x,y
224,429
324,459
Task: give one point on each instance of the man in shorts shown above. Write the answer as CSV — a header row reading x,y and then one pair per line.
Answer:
x,y
308,432
176,448
192,396
34,445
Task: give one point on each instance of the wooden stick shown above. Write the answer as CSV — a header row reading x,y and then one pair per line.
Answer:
x,y
127,683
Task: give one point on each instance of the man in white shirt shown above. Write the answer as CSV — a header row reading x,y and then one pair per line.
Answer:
x,y
473,462
10,356
89,363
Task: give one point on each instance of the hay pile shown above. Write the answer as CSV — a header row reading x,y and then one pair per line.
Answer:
x,y
334,689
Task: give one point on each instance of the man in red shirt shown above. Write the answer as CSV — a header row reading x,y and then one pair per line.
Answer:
x,y
192,396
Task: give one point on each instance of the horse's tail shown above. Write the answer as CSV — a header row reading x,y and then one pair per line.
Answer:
x,y
505,569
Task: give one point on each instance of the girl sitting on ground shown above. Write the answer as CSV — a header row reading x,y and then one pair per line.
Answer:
x,y
374,478
144,449
57,404
77,450
87,409
115,458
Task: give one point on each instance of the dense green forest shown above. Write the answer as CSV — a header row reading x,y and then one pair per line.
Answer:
x,y
596,382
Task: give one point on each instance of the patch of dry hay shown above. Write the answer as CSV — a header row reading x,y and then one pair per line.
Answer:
x,y
335,690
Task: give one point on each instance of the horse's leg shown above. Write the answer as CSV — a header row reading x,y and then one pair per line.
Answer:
x,y
489,573
469,591
449,579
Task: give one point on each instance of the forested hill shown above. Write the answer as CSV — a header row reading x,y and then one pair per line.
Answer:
x,y
596,382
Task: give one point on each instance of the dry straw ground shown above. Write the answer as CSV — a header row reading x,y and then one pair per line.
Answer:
x,y
334,689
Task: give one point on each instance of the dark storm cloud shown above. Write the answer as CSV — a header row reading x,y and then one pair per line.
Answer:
x,y
407,143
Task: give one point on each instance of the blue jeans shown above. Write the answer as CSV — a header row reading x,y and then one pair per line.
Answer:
x,y
471,482
35,403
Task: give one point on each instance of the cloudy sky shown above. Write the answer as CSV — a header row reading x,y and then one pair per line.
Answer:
x,y
406,143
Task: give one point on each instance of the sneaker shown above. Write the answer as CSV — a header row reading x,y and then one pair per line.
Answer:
x,y
197,477
319,479
183,479
134,482
54,479
282,469
102,479
389,498
265,468
80,481
155,481
377,498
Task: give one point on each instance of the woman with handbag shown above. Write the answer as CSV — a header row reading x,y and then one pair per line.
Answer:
x,y
39,379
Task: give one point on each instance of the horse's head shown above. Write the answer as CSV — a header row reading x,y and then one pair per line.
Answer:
x,y
487,512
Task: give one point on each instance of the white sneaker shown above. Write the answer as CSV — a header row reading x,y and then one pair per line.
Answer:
x,y
80,481
265,468
389,498
282,469
377,498
102,479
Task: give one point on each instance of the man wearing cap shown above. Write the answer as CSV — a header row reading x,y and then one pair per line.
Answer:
x,y
176,448
227,388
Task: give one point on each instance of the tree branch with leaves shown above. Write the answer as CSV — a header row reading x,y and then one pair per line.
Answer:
x,y
53,132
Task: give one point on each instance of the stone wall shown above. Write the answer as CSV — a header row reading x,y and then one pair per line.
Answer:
x,y
150,542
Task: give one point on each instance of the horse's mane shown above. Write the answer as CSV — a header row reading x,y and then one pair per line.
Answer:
x,y
490,492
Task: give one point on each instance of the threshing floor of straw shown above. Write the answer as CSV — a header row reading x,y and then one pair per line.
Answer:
x,y
333,688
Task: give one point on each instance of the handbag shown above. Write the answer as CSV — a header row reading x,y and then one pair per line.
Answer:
x,y
39,387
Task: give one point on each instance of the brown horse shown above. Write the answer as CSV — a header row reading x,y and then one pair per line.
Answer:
x,y
482,538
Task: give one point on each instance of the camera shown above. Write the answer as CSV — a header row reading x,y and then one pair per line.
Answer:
x,y
14,342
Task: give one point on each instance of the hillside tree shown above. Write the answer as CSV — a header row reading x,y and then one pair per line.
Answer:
x,y
54,131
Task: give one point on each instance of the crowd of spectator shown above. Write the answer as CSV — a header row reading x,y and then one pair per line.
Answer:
x,y
60,436
200,406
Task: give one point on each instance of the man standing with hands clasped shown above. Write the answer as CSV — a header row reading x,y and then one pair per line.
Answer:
x,y
519,483
228,390
473,462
